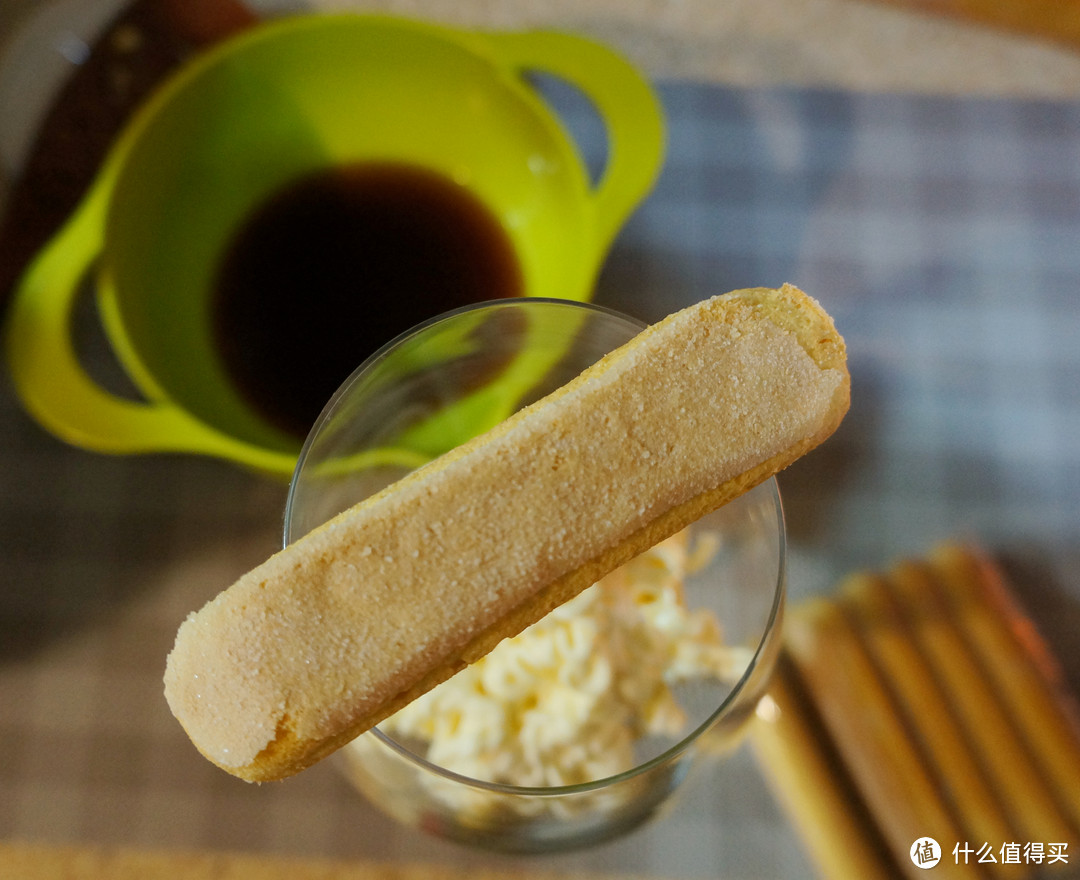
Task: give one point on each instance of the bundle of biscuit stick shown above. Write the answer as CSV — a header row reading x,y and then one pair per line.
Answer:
x,y
920,702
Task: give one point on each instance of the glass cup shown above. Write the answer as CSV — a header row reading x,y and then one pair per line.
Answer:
x,y
534,782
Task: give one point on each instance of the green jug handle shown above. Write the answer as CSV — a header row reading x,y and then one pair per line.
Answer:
x,y
56,389
627,104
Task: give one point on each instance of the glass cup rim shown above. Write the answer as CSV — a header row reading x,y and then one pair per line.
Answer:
x,y
382,351
644,767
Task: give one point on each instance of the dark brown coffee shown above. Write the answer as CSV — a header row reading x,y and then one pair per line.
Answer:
x,y
338,263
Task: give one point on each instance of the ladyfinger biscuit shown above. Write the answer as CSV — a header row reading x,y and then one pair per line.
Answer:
x,y
348,624
882,625
861,714
1017,661
973,700
807,774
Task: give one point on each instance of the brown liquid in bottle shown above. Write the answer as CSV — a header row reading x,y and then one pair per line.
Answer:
x,y
340,262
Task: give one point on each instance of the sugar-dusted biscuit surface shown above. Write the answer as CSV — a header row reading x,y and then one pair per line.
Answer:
x,y
343,627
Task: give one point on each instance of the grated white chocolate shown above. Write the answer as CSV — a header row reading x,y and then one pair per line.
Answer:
x,y
345,626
